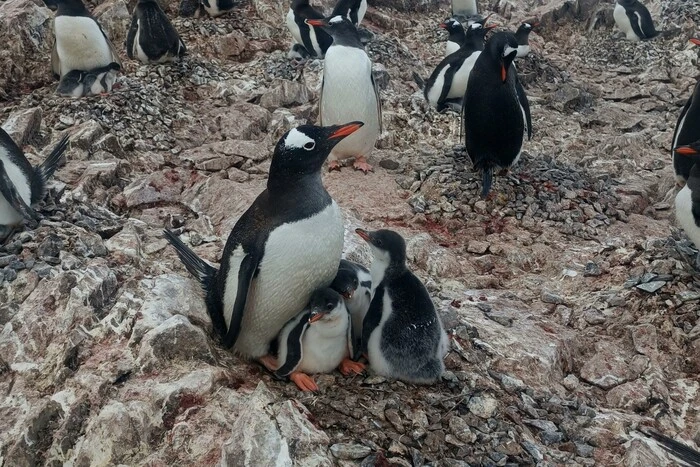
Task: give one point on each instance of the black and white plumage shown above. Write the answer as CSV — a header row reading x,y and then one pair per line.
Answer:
x,y
216,8
314,39
688,198
683,452
152,38
88,83
464,8
687,131
448,82
402,334
349,92
634,20
285,246
496,111
522,35
457,36
72,84
353,10
22,185
354,282
80,43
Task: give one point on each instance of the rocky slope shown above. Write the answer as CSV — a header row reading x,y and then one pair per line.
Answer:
x,y
571,298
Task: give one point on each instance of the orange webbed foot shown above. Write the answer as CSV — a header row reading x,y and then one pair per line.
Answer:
x,y
361,164
333,165
269,362
303,381
349,367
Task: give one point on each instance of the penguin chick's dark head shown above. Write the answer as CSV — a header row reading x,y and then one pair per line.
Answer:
x,y
323,303
387,246
304,149
345,282
502,47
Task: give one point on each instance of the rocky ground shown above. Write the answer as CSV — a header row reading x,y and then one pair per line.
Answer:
x,y
571,299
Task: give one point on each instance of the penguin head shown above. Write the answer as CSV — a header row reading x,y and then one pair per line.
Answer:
x,y
345,283
387,246
526,28
502,48
692,150
71,8
476,32
325,305
451,25
337,26
304,149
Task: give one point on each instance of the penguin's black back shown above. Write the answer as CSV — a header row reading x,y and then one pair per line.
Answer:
x,y
636,9
303,12
72,8
688,133
347,8
157,36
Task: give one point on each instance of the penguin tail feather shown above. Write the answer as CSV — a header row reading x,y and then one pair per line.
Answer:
x,y
204,273
49,166
680,450
419,81
487,180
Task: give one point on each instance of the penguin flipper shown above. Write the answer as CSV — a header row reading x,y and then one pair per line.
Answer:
x,y
487,179
678,129
635,19
204,273
55,61
9,191
133,29
373,316
291,350
680,450
379,102
113,50
320,104
647,24
48,167
418,80
524,104
246,272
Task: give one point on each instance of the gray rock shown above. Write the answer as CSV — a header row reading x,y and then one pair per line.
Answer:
x,y
482,406
349,451
652,286
174,339
23,125
284,93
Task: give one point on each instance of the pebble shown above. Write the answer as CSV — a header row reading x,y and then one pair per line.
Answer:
x,y
10,274
475,246
550,297
482,406
652,286
389,164
570,382
584,450
533,451
6,260
592,270
350,451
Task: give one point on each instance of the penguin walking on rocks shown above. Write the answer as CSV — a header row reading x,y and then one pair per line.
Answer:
x,y
522,35
317,340
447,84
314,40
464,8
22,185
152,38
349,92
402,335
354,10
688,199
496,111
634,20
687,131
283,248
354,282
80,43
457,36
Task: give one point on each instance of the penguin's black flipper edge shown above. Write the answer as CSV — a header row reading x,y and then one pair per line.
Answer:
x,y
295,349
681,117
379,102
680,450
204,273
49,166
418,80
55,62
9,191
246,272
522,98
373,317
634,22
133,29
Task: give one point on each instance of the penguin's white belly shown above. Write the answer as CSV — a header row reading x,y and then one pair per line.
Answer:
x,y
451,48
80,44
374,351
299,258
464,7
435,91
523,51
623,22
348,95
293,27
8,215
684,214
361,11
461,77
325,345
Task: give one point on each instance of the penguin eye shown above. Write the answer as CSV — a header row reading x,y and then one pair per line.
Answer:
x,y
329,306
310,145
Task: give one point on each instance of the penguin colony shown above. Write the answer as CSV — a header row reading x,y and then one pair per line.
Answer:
x,y
282,294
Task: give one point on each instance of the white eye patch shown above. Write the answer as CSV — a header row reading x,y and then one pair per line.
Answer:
x,y
336,19
296,139
475,26
509,50
527,25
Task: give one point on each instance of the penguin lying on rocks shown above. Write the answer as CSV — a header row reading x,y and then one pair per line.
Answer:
x,y
681,451
354,282
77,83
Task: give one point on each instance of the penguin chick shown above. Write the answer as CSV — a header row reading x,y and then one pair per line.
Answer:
x,y
349,92
687,131
316,341
354,10
634,20
152,38
402,334
688,199
217,7
354,282
314,39
496,110
457,36
522,35
100,80
22,185
72,84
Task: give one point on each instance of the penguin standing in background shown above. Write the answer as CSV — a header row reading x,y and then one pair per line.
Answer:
x,y
216,8
349,92
283,248
464,8
448,82
688,199
354,10
496,110
80,43
317,340
457,36
314,40
522,35
687,131
152,38
354,282
402,334
22,185
634,20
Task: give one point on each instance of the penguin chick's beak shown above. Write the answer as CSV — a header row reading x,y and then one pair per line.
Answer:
x,y
363,234
316,22
346,130
315,316
695,41
687,151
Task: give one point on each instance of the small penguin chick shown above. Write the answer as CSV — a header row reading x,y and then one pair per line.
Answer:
x,y
316,341
354,283
688,199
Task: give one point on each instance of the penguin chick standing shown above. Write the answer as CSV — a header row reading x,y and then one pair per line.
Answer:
x,y
457,35
314,39
354,10
688,199
496,110
522,35
634,20
152,38
316,341
80,43
349,92
354,282
283,248
687,131
464,7
22,185
402,334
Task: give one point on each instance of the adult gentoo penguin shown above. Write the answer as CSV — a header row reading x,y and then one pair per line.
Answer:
x,y
354,282
22,185
634,20
285,246
349,92
496,110
317,340
448,82
152,38
80,44
522,35
687,131
314,39
354,10
464,7
402,334
457,35
688,199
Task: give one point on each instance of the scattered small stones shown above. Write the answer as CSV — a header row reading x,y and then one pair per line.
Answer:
x,y
350,451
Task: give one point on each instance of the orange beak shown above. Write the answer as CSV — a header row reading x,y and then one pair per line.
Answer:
x,y
363,234
315,317
504,75
686,151
347,130
315,22
442,25
695,41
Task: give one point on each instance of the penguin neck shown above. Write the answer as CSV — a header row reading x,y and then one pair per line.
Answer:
x,y
522,37
457,35
383,270
348,39
72,8
285,184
